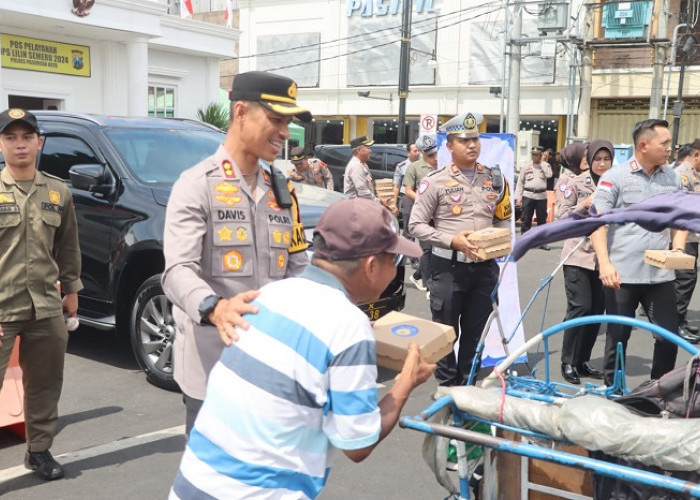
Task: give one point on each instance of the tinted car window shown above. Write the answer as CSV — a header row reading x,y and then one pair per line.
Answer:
x,y
393,158
376,160
60,153
158,156
334,156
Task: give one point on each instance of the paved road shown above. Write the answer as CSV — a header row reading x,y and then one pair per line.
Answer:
x,y
120,437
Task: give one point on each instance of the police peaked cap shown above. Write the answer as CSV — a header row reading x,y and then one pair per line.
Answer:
x,y
276,93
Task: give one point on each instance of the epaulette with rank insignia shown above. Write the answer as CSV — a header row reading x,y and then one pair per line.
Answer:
x,y
51,176
434,172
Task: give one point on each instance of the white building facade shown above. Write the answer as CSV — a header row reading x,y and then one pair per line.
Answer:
x,y
336,49
119,57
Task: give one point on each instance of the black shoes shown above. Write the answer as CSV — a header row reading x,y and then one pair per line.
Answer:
x,y
586,370
690,328
544,247
43,464
570,373
685,334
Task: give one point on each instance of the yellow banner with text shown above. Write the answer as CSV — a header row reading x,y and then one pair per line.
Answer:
x,y
42,55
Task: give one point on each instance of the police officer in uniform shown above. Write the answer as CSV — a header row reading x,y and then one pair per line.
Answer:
x,y
312,171
232,225
415,173
39,236
531,190
619,249
459,199
584,290
357,181
686,279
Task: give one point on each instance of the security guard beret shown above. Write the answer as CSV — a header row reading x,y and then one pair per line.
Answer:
x,y
537,150
465,125
696,144
360,141
277,93
14,115
427,144
297,154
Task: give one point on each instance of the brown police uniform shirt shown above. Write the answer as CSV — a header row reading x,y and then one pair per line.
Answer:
x,y
532,181
357,181
455,203
317,174
691,182
572,192
219,239
38,246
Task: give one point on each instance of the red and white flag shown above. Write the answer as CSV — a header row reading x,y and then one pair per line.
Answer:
x,y
228,15
186,8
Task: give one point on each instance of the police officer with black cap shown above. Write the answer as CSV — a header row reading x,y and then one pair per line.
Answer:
x,y
232,225
460,198
531,190
312,171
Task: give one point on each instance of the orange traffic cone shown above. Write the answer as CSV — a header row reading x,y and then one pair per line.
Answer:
x,y
12,396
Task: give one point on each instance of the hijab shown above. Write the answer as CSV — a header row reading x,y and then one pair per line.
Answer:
x,y
572,155
594,147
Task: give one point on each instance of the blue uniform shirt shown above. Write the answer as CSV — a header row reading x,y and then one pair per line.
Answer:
x,y
624,186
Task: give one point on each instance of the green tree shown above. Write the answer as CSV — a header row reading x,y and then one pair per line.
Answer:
x,y
216,114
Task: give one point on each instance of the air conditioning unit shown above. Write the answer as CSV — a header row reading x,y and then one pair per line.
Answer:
x,y
552,16
626,19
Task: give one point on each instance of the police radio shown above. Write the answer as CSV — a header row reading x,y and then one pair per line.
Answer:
x,y
497,180
279,186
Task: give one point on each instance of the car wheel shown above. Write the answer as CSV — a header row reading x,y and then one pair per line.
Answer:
x,y
152,333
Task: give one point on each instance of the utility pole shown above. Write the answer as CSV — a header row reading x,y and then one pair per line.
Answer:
x,y
404,68
688,49
504,45
513,117
660,51
583,124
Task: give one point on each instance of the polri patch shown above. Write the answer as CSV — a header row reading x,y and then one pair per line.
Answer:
x,y
233,261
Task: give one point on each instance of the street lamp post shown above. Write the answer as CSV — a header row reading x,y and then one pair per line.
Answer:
x,y
404,67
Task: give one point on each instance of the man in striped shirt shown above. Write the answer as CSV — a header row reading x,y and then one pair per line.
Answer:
x,y
302,379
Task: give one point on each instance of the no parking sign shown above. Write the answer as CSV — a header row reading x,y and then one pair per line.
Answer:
x,y
428,125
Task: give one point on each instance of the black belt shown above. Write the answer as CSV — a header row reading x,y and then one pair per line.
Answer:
x,y
536,190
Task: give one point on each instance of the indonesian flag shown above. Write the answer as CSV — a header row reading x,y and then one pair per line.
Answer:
x,y
228,15
186,8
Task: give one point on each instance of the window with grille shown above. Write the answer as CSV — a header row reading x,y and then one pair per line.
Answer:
x,y
161,101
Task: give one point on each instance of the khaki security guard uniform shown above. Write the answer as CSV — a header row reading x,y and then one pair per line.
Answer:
x,y
460,288
317,174
38,247
242,242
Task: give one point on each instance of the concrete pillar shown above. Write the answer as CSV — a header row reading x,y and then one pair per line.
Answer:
x,y
583,124
137,85
513,116
660,50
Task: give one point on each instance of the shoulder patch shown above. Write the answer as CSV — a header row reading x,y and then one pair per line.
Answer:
x,y
606,185
423,186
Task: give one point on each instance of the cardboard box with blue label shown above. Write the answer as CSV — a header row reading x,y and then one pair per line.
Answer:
x,y
395,331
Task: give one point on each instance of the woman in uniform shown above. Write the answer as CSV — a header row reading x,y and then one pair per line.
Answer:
x,y
584,290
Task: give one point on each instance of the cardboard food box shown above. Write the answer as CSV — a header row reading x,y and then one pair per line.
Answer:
x,y
492,242
394,331
384,189
666,259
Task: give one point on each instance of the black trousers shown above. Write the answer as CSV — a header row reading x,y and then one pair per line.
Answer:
x,y
460,296
685,283
192,407
531,206
659,302
585,297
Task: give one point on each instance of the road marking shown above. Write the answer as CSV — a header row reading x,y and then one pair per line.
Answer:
x,y
95,451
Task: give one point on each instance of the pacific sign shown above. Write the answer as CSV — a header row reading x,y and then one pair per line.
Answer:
x,y
370,8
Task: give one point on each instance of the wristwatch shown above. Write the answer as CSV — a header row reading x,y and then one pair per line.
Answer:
x,y
206,306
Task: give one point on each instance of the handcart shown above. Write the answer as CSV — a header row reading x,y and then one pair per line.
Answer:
x,y
536,418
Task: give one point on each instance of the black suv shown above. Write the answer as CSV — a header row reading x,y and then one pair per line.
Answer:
x,y
381,163
121,171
